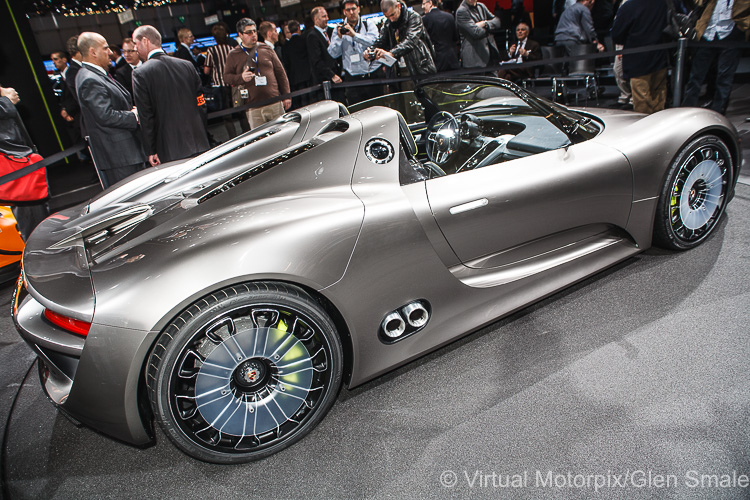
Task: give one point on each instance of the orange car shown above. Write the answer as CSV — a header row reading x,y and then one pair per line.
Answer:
x,y
11,246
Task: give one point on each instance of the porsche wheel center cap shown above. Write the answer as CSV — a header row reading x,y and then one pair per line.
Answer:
x,y
251,373
696,196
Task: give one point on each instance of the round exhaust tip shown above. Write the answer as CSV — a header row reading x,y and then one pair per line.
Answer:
x,y
416,314
394,325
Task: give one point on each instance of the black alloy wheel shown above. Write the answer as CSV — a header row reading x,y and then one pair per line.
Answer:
x,y
694,195
245,372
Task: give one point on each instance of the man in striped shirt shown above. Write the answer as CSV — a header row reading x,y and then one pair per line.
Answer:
x,y
215,61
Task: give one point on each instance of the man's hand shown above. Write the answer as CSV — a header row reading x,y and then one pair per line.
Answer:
x,y
135,112
154,160
66,116
336,79
247,75
347,30
287,103
378,54
11,94
600,47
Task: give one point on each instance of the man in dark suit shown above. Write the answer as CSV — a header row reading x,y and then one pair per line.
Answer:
x,y
322,65
297,64
67,99
523,50
170,101
441,26
124,75
70,107
108,114
185,38
117,60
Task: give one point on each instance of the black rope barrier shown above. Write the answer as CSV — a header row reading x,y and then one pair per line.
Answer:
x,y
49,161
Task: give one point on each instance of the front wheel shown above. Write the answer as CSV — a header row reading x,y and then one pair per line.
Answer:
x,y
694,195
245,372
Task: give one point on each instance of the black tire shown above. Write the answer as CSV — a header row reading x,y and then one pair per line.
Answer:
x,y
221,397
694,194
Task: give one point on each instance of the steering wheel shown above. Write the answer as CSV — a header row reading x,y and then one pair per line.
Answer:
x,y
442,139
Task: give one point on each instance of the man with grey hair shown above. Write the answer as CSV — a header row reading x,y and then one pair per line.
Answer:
x,y
404,35
258,75
109,118
170,101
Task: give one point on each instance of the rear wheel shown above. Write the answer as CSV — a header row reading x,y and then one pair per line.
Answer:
x,y
694,195
245,372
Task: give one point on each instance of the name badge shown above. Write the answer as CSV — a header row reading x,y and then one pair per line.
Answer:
x,y
260,81
354,58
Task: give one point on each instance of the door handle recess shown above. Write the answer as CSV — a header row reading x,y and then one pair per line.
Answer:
x,y
465,207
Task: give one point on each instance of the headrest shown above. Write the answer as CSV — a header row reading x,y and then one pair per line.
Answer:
x,y
406,135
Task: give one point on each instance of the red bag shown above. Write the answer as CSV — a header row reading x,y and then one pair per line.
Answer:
x,y
29,188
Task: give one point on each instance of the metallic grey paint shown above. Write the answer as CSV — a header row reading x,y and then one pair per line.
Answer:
x,y
475,246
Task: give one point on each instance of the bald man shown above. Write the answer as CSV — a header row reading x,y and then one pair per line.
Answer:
x,y
109,118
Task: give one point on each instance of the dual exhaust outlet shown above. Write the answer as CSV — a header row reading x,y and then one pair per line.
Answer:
x,y
405,320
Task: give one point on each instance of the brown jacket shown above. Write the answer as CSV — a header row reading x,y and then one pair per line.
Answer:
x,y
740,15
268,66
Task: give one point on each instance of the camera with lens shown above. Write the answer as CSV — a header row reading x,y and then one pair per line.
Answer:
x,y
344,28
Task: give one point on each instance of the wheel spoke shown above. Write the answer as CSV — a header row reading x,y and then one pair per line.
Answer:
x,y
212,331
190,365
265,317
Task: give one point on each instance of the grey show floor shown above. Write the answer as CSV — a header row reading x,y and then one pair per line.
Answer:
x,y
638,378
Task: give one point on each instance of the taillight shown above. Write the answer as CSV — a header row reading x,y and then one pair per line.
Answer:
x,y
69,324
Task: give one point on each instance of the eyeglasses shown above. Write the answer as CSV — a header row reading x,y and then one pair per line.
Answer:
x,y
248,32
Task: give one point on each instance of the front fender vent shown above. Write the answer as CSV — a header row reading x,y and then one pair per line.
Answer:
x,y
260,168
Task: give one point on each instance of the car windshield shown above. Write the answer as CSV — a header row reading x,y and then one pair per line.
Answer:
x,y
483,95
458,95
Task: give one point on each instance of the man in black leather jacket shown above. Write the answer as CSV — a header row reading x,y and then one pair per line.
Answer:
x,y
404,35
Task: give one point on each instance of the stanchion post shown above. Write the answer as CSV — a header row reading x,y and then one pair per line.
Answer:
x,y
327,89
679,71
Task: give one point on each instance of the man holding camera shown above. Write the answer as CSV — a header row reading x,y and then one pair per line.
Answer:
x,y
256,71
349,42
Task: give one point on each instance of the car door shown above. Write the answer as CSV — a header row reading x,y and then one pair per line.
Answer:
x,y
512,211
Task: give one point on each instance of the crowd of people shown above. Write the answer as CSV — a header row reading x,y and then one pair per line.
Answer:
x,y
138,106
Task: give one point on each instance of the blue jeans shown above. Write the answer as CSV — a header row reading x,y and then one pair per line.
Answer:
x,y
727,60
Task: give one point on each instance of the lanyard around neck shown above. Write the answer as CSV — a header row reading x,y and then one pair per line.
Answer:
x,y
255,61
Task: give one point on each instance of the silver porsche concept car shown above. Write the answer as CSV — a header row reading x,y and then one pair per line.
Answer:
x,y
228,297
